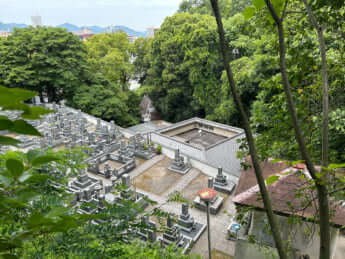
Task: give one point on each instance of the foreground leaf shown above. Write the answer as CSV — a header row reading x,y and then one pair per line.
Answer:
x,y
8,141
15,167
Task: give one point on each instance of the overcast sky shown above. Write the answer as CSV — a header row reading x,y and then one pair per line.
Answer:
x,y
136,14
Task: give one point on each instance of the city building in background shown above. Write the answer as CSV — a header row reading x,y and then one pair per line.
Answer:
x,y
36,20
84,34
5,34
150,32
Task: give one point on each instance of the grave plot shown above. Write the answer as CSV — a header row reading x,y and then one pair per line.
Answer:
x,y
111,163
191,190
139,161
157,179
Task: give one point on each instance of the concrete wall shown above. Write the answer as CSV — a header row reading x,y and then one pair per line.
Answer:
x,y
173,144
223,132
202,166
225,155
180,130
305,239
246,250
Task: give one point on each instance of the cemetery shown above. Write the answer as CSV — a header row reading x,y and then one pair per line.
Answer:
x,y
121,156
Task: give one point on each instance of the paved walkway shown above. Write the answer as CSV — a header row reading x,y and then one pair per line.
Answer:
x,y
219,222
146,165
340,247
183,182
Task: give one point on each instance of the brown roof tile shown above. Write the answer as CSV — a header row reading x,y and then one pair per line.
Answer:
x,y
248,178
283,195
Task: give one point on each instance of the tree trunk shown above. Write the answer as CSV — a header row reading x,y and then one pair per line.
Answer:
x,y
324,226
321,188
324,74
252,148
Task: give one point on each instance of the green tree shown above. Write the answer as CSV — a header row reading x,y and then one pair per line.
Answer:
x,y
107,101
249,136
184,67
141,62
48,60
109,54
227,8
304,65
252,62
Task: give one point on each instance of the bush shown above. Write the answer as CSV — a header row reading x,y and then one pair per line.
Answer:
x,y
159,149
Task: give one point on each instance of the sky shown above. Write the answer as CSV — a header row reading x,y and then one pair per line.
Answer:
x,y
136,14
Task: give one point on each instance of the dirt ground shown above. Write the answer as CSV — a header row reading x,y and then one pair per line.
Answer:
x,y
157,179
191,191
139,161
216,254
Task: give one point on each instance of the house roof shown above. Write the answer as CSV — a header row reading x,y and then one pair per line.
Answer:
x,y
283,193
248,178
149,126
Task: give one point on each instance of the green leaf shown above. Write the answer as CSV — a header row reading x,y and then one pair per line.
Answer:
x,y
35,112
277,160
335,166
22,127
318,175
8,141
43,160
272,179
38,178
9,256
16,107
36,220
270,18
5,123
15,167
6,245
248,12
6,181
24,177
259,4
33,153
14,95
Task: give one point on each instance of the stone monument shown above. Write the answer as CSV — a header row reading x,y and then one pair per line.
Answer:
x,y
188,226
215,204
178,165
222,184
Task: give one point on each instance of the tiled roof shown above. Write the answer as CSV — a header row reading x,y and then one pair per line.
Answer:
x,y
283,194
248,178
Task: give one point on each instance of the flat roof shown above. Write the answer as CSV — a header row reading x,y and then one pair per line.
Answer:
x,y
149,126
200,133
200,137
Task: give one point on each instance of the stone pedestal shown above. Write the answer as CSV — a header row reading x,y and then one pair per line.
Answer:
x,y
222,184
178,165
188,226
174,236
215,204
185,221
147,233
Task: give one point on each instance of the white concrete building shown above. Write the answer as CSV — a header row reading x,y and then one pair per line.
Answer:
x,y
206,144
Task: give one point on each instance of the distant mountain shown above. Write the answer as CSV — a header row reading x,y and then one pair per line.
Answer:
x,y
95,29
10,26
129,31
72,27
69,27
